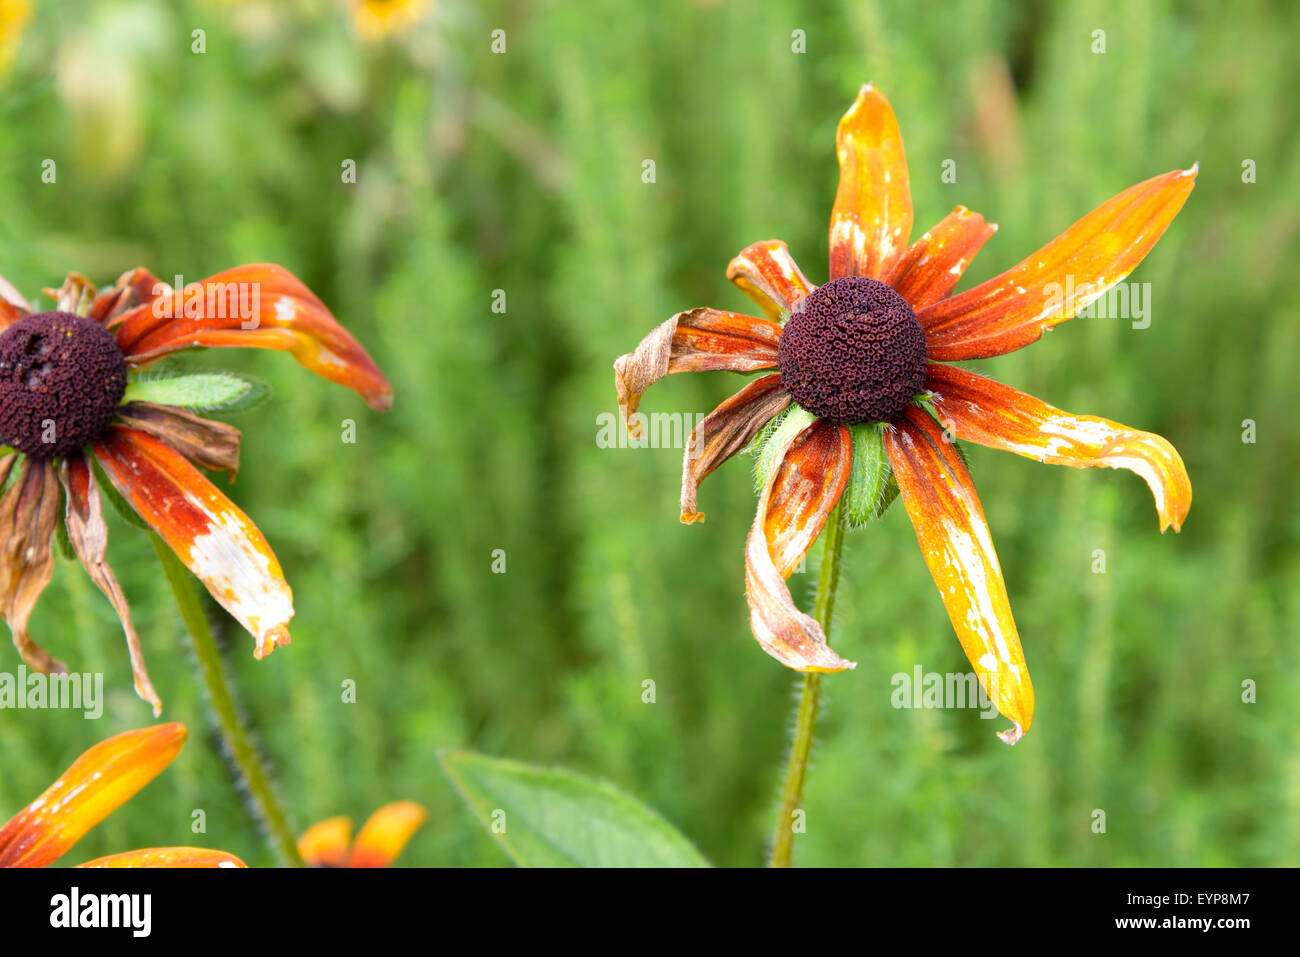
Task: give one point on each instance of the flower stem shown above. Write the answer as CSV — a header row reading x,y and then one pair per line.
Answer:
x,y
805,721
242,751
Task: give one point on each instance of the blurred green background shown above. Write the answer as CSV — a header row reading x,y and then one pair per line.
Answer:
x,y
522,171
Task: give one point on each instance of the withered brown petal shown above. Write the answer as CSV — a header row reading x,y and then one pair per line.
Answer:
x,y
213,445
698,340
136,287
29,512
75,291
767,273
88,534
724,432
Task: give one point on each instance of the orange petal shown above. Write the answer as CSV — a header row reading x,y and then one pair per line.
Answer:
x,y
724,432
215,540
262,306
88,535
187,857
766,273
387,832
29,514
800,493
1051,286
872,219
134,288
97,784
940,499
326,843
12,305
931,267
698,340
1001,417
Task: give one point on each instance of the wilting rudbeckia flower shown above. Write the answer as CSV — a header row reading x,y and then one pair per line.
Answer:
x,y
69,406
97,784
859,368
382,838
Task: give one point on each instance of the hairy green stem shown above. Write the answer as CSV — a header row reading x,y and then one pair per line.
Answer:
x,y
243,752
805,721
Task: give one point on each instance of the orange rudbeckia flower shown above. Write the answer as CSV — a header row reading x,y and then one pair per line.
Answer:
x,y
68,406
383,837
859,367
97,784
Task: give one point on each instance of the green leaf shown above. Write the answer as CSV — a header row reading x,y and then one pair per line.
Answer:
x,y
204,391
547,817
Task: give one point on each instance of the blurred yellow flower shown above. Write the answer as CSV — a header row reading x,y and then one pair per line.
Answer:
x,y
14,15
376,19
382,838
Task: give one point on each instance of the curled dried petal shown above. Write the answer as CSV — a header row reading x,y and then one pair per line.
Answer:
x,y
767,273
698,340
88,535
260,306
724,432
213,445
29,513
800,493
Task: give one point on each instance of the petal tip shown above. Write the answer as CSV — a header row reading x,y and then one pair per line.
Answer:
x,y
690,518
1012,734
274,638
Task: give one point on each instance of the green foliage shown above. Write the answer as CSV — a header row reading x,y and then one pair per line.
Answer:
x,y
547,817
523,172
202,391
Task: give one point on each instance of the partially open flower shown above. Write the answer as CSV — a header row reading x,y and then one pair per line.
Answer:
x,y
861,407
383,837
70,408
98,783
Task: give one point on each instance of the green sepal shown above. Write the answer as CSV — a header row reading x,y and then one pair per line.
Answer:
x,y
120,505
201,391
872,487
776,435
